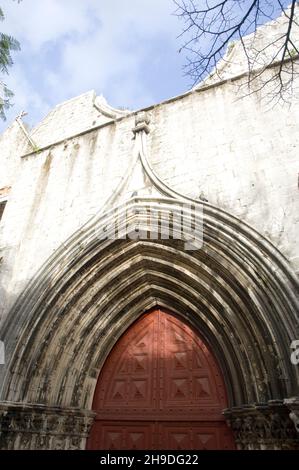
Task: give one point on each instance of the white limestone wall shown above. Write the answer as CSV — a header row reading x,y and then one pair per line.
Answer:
x,y
12,143
56,192
239,155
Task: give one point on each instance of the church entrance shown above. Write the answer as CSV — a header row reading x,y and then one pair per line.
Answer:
x,y
160,388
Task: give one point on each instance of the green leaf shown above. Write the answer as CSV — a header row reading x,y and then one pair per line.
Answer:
x,y
7,45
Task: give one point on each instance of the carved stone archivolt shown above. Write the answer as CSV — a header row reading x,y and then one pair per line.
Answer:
x,y
28,426
263,426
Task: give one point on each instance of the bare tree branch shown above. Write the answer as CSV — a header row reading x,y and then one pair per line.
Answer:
x,y
210,27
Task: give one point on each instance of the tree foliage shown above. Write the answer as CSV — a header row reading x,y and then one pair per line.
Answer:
x,y
210,26
7,45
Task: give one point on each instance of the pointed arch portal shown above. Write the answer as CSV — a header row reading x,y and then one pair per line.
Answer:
x,y
160,388
237,291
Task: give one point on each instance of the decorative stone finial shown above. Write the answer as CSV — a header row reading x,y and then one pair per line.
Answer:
x,y
142,121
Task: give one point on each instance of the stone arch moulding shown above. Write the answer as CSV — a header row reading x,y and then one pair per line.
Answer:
x,y
237,290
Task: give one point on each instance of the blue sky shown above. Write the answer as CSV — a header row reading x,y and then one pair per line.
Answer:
x,y
126,50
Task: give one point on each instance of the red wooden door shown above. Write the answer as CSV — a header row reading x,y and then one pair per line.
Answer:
x,y
160,388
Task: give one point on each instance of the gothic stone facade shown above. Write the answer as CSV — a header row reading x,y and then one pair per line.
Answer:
x,y
68,292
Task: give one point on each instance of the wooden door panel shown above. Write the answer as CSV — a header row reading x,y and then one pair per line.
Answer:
x,y
165,389
196,435
128,376
122,435
190,377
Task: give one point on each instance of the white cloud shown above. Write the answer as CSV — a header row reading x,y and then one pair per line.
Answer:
x,y
71,46
38,22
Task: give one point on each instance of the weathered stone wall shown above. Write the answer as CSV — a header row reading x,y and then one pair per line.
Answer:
x,y
12,144
237,155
